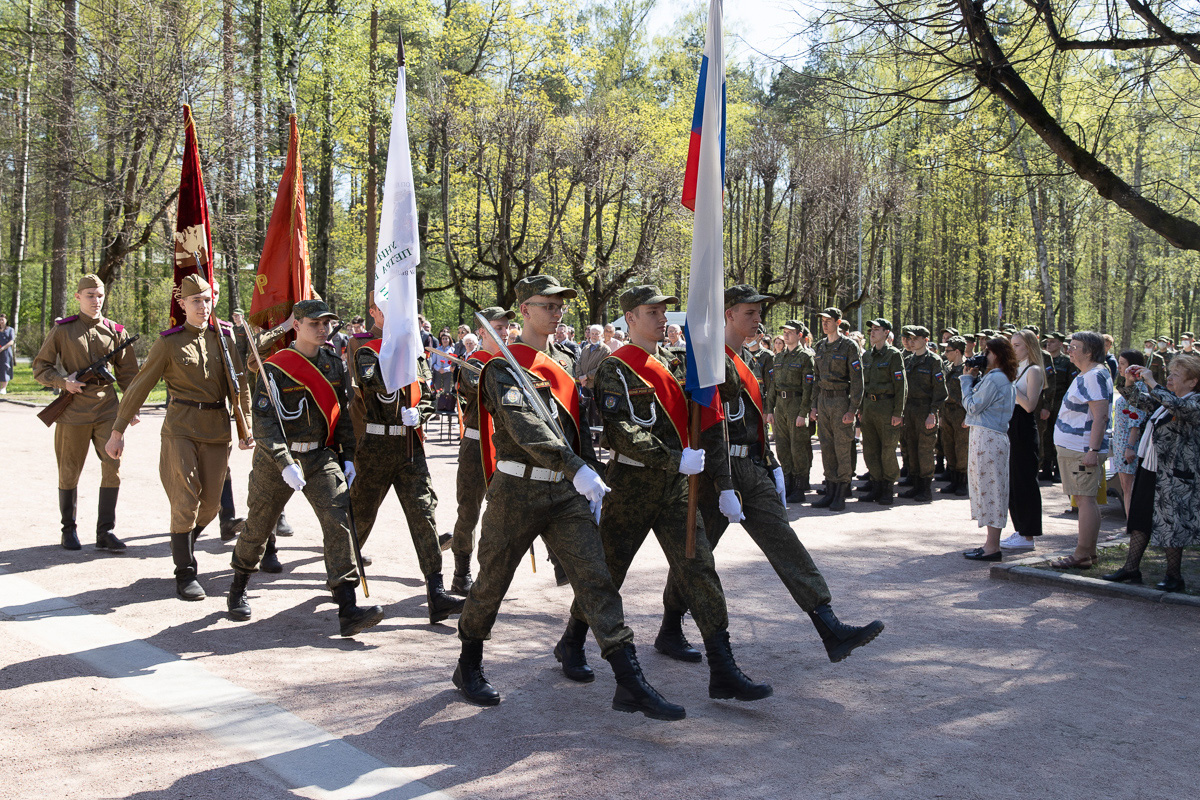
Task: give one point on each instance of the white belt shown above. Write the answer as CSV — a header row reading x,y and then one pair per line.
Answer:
x,y
739,450
471,433
303,447
516,468
385,430
627,460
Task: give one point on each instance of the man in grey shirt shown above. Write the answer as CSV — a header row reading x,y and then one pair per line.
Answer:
x,y
590,356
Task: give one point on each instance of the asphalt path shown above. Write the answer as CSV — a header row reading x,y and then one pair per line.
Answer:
x,y
110,687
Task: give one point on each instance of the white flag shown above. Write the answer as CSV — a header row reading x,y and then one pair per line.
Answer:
x,y
706,286
398,255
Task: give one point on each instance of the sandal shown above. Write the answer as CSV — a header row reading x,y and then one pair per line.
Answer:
x,y
1071,562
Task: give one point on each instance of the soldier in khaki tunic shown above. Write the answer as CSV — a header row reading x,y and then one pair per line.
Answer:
x,y
926,397
390,455
646,428
194,458
471,486
836,398
788,403
884,392
76,342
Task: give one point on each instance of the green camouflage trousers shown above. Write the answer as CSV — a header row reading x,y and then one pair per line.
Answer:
x,y
520,510
837,438
793,445
470,489
382,463
767,523
325,490
879,439
645,499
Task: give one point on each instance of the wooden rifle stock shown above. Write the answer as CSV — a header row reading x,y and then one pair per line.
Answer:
x,y
55,409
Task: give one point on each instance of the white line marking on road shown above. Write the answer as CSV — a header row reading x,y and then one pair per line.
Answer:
x,y
310,760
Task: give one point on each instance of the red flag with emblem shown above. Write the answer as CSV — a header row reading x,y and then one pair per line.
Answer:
x,y
284,277
193,235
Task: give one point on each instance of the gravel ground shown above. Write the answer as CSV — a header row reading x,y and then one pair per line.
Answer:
x,y
976,689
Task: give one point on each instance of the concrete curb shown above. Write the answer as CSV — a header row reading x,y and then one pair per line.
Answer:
x,y
1022,572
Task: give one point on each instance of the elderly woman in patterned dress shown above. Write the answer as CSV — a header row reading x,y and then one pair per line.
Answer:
x,y
989,403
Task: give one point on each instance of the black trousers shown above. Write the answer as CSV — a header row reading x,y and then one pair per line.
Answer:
x,y
1024,494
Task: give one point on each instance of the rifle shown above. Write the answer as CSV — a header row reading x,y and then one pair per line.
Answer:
x,y
96,372
453,359
535,400
235,390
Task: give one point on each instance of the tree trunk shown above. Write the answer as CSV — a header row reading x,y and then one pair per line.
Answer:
x,y
228,224
20,225
260,132
64,169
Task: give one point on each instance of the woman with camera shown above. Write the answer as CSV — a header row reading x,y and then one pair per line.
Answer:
x,y
1081,440
1166,492
989,403
1024,494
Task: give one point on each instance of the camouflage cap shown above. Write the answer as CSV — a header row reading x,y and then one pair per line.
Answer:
x,y
792,325
956,343
545,285
1165,339
920,331
952,331
89,281
986,333
880,323
744,293
1008,326
833,312
192,284
1191,337
844,325
1055,335
907,330
1036,330
312,309
238,310
493,313
646,295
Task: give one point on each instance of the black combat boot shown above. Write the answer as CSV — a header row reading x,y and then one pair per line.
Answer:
x,y
270,560
184,558
468,675
914,489
634,693
952,486
726,681
840,490
106,520
962,490
67,499
886,490
441,605
794,491
939,468
461,583
872,494
354,618
827,498
672,643
569,652
282,528
238,605
924,489
802,484
839,638
866,487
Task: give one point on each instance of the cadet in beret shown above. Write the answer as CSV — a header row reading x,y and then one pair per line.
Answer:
x,y
75,342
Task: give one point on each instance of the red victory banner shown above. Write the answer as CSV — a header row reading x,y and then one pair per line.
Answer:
x,y
284,277
193,235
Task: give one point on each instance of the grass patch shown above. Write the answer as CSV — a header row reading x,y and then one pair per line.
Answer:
x,y
24,387
1154,566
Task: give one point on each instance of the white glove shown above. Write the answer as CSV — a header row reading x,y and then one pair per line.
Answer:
x,y
348,468
779,485
589,484
410,417
730,506
293,476
691,462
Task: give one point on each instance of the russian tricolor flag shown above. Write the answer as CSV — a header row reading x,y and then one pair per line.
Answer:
x,y
703,193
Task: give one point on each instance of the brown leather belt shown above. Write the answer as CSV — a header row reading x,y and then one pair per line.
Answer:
x,y
202,406
875,398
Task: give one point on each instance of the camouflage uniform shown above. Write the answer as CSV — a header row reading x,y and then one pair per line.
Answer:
x,y
884,391
760,362
789,398
955,438
926,395
471,486
837,390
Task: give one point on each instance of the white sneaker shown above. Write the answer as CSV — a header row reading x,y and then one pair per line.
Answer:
x,y
1016,541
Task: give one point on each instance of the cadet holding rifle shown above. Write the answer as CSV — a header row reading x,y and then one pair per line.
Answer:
x,y
78,342
194,457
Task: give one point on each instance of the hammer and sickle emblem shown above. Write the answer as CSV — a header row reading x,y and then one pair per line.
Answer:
x,y
261,282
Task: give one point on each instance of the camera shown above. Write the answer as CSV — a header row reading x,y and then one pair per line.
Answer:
x,y
977,361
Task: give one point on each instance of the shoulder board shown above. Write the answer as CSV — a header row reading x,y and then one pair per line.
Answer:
x,y
226,327
364,335
169,331
65,320
117,328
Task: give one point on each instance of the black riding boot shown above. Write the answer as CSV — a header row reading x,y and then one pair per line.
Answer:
x,y
672,643
569,652
441,605
238,605
839,638
468,675
726,681
872,494
634,693
184,557
462,583
354,618
270,560
67,499
106,520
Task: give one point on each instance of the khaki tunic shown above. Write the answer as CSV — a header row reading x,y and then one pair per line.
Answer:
x,y
885,390
839,388
926,395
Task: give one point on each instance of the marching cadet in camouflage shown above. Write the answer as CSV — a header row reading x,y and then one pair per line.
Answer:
x,y
391,455
884,391
1061,364
757,479
75,343
645,426
544,486
306,386
926,396
837,393
471,484
194,457
788,403
955,437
